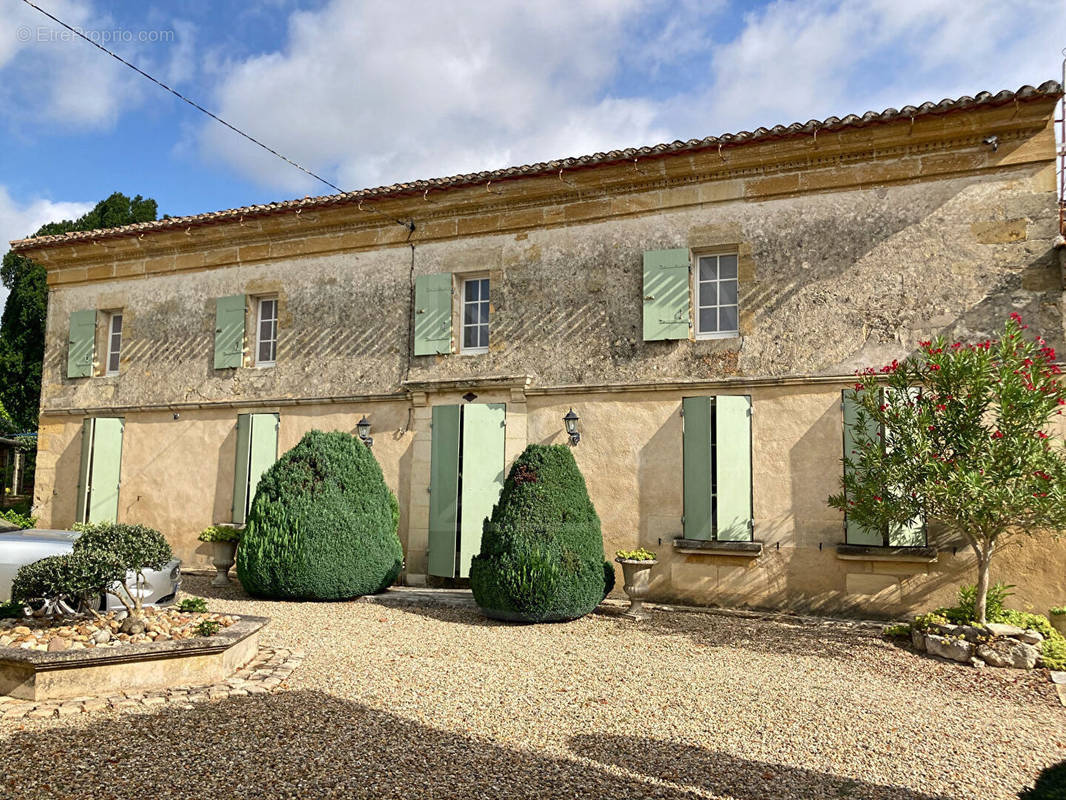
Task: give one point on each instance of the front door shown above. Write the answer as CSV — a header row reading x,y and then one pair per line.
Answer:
x,y
466,477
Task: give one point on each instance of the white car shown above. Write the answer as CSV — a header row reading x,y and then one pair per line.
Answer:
x,y
21,547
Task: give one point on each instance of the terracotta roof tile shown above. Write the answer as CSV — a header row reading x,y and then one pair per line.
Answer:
x,y
1049,89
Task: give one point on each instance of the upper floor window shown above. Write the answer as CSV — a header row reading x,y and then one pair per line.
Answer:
x,y
475,332
114,342
266,332
716,295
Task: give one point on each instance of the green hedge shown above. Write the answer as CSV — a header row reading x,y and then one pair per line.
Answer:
x,y
322,525
541,554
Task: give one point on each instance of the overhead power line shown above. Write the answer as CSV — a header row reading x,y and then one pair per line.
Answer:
x,y
182,97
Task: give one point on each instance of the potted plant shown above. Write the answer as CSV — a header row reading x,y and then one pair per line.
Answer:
x,y
636,568
223,538
1057,616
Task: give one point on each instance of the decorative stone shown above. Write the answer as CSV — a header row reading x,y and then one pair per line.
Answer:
x,y
58,643
1030,637
1058,677
918,640
1002,629
973,633
1008,653
953,649
977,663
101,636
132,626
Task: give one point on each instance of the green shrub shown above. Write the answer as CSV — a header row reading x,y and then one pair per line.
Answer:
x,y
12,610
76,578
322,525
220,533
1058,611
1050,784
208,627
541,554
640,554
897,631
24,521
967,601
933,618
1023,619
193,605
1053,651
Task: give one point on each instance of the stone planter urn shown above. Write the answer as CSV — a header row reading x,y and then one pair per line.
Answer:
x,y
223,556
1058,622
637,575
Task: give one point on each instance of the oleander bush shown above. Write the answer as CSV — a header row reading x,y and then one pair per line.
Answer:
x,y
541,554
322,525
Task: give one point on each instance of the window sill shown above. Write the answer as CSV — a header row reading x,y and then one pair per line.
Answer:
x,y
715,548
703,337
911,555
473,352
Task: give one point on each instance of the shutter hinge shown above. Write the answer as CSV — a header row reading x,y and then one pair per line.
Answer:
x,y
682,519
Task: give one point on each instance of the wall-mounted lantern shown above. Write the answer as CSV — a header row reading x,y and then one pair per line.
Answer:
x,y
570,420
363,429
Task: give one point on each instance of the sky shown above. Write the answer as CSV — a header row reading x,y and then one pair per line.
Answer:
x,y
371,92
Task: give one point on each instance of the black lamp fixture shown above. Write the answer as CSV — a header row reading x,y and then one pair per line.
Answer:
x,y
570,420
363,428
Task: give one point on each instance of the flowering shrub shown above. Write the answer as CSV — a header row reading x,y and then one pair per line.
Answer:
x,y
958,434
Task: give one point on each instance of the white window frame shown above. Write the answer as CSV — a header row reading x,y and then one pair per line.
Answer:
x,y
463,349
260,303
697,288
113,350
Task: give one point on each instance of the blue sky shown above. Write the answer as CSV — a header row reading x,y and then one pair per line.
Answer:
x,y
368,93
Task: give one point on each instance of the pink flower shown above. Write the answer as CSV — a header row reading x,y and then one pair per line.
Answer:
x,y
997,435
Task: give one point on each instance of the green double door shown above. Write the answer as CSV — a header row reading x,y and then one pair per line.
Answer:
x,y
466,477
98,476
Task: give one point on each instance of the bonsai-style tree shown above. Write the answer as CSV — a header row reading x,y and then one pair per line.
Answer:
x,y
322,525
136,547
960,434
541,554
69,583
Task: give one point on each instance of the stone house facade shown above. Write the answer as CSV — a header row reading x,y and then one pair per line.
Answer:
x,y
701,306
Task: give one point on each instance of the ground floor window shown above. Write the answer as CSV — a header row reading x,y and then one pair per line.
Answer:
x,y
717,468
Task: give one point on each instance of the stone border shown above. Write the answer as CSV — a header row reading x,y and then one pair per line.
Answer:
x,y
264,673
44,661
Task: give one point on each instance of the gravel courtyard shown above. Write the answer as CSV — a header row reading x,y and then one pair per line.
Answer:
x,y
438,702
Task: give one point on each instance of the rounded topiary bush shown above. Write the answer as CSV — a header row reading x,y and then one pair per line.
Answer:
x,y
541,554
322,525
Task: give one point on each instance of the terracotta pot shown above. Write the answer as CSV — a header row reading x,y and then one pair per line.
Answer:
x,y
223,554
637,576
1058,622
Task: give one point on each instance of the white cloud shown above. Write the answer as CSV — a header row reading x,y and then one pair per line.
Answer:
x,y
372,95
366,94
18,220
47,74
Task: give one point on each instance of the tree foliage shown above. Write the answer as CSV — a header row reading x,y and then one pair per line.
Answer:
x,y
22,326
971,450
68,582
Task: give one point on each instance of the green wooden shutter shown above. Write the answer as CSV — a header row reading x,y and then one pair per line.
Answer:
x,y
433,314
732,444
106,469
257,450
83,474
229,331
82,344
443,490
240,472
696,443
855,533
666,294
912,533
483,431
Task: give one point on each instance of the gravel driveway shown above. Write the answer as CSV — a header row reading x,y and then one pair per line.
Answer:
x,y
440,703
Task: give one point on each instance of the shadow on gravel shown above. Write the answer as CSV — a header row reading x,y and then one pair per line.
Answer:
x,y
200,586
727,775
294,744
